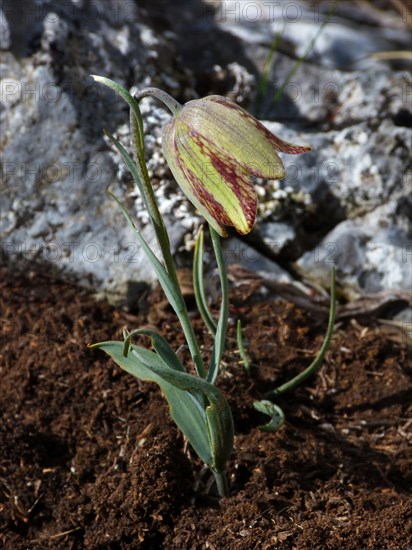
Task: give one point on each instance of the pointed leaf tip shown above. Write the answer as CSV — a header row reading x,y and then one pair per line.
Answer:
x,y
277,417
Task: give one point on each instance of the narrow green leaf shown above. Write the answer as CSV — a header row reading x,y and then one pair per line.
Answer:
x,y
175,300
220,337
198,283
219,421
185,409
209,428
141,178
133,104
241,347
297,380
146,189
277,418
131,165
170,286
160,345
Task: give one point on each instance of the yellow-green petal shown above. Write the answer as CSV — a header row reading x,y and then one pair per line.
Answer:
x,y
217,185
238,135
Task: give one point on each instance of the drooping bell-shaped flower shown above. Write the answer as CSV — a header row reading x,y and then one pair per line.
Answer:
x,y
212,147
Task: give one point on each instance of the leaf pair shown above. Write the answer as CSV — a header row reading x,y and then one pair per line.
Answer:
x,y
198,408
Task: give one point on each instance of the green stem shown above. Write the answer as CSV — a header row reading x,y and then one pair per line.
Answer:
x,y
141,176
198,284
292,384
221,483
220,336
162,96
164,243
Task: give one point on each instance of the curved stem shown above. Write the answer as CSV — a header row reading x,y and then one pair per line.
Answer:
x,y
292,384
162,96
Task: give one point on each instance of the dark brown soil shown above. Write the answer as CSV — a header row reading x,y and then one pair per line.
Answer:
x,y
90,459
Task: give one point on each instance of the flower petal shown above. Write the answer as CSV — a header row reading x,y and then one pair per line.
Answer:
x,y
212,180
239,135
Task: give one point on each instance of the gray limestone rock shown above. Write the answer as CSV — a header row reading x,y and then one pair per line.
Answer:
x,y
56,167
355,111
359,181
347,201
